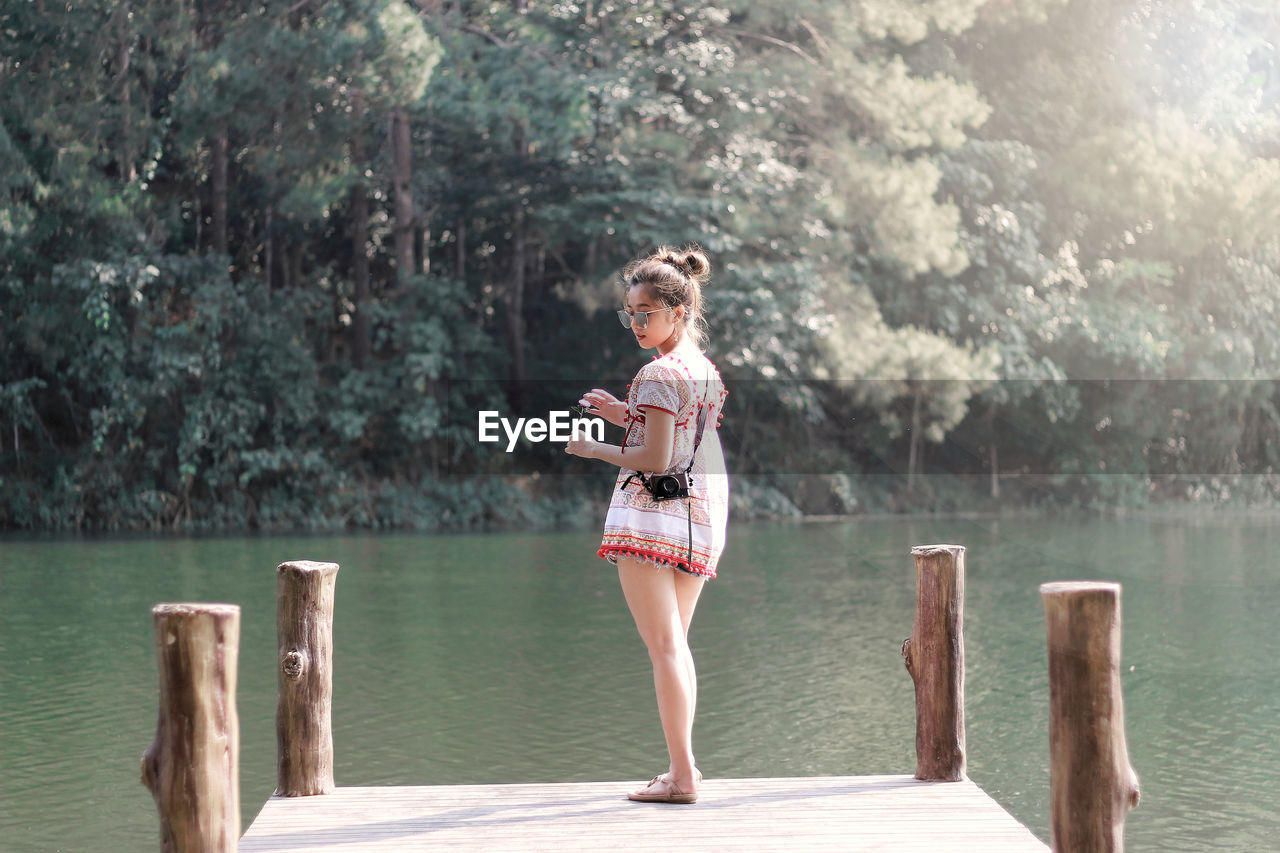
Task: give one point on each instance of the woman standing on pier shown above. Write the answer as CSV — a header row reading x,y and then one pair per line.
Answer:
x,y
666,543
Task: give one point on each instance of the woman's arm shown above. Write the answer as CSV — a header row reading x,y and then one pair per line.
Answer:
x,y
652,456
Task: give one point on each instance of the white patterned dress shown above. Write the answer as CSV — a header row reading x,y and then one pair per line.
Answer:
x,y
637,526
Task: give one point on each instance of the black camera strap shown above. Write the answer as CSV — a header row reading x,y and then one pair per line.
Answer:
x,y
697,439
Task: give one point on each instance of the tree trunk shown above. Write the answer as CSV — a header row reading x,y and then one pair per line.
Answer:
x,y
359,238
934,656
460,256
218,182
593,253
424,234
913,456
1091,784
269,248
995,471
516,284
515,308
304,721
295,268
995,454
192,767
128,171
403,177
207,37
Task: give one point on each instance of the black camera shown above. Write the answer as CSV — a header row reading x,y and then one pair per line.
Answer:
x,y
665,487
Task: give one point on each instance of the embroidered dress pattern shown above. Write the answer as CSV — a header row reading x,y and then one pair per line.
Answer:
x,y
637,526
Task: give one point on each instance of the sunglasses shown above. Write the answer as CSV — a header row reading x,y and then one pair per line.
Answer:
x,y
640,319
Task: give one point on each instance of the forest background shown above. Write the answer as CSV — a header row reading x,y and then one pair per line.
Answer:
x,y
262,264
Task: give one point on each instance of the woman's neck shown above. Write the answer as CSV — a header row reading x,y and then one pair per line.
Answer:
x,y
682,347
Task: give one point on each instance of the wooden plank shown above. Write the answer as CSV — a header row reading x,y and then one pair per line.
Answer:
x,y
802,813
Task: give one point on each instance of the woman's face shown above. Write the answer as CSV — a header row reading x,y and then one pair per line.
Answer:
x,y
662,324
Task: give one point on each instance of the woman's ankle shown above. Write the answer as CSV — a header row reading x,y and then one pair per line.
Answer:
x,y
671,773
685,771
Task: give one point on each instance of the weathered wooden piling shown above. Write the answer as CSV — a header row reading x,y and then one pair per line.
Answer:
x,y
192,767
304,721
934,655
1091,783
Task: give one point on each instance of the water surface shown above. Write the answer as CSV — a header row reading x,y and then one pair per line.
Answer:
x,y
512,658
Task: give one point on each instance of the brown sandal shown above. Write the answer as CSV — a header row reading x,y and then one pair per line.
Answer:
x,y
672,794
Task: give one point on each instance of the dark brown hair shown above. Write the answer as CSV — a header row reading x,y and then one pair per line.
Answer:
x,y
674,277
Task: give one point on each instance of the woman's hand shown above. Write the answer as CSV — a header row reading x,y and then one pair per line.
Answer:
x,y
607,406
583,447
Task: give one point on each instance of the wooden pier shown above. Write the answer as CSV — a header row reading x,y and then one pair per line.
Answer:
x,y
192,768
805,813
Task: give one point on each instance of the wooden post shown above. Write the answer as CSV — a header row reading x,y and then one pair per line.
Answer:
x,y
1091,784
192,767
304,722
934,656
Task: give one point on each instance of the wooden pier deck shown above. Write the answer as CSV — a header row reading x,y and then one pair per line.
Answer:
x,y
801,813
190,769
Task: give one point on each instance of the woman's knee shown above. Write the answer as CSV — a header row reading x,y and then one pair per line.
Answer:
x,y
667,644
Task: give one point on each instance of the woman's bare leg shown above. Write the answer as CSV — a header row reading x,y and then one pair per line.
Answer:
x,y
688,588
651,594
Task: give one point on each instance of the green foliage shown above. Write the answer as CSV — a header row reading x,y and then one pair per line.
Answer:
x,y
978,220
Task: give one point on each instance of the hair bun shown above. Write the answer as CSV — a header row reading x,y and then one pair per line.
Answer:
x,y
692,262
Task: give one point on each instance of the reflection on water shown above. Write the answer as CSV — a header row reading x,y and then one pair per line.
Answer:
x,y
511,658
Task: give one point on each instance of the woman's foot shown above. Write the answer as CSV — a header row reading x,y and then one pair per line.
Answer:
x,y
665,790
666,777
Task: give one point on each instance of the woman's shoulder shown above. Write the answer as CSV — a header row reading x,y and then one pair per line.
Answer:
x,y
670,365
694,367
686,361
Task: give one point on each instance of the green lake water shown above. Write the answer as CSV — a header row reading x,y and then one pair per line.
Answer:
x,y
512,658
